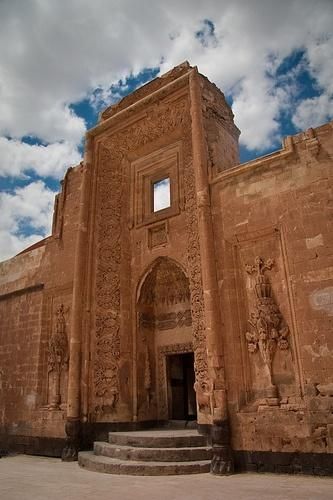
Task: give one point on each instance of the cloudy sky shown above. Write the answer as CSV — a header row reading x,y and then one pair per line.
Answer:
x,y
62,61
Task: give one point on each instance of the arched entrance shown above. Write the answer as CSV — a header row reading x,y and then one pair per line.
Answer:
x,y
165,360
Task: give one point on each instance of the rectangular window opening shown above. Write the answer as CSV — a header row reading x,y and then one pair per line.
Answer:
x,y
161,194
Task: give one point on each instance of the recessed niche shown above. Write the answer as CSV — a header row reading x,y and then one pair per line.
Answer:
x,y
155,186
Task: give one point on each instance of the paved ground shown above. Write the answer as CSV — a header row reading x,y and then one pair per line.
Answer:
x,y
24,477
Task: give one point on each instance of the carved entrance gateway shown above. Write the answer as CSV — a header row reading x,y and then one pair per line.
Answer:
x,y
153,284
164,329
230,274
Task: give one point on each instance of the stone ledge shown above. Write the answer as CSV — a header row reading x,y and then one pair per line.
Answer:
x,y
22,291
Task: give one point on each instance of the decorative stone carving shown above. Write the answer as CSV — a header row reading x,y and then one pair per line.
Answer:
x,y
166,321
195,279
58,355
269,330
107,355
157,235
147,374
163,352
165,284
160,120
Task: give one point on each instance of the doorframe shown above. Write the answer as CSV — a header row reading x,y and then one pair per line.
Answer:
x,y
162,379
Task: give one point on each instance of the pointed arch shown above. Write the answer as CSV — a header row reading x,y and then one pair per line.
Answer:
x,y
165,282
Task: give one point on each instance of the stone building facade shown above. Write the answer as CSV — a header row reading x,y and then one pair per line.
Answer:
x,y
217,307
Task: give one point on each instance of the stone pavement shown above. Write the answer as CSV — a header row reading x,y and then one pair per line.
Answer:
x,y
24,477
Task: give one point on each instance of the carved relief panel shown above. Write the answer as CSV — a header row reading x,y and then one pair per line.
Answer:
x,y
268,342
58,354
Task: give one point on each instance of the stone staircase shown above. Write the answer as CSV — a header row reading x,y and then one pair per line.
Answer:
x,y
149,453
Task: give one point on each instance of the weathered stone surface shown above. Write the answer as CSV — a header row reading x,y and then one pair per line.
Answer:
x,y
217,308
158,438
107,465
176,454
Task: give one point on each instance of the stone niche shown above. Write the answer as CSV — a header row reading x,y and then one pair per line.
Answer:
x,y
164,328
58,354
269,349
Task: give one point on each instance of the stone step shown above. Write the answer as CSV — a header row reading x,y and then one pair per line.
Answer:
x,y
162,438
188,454
97,463
180,424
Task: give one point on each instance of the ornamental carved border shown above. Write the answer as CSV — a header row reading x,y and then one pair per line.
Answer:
x,y
163,352
161,120
194,270
107,355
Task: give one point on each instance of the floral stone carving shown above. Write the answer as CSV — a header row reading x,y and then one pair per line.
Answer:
x,y
58,355
147,374
269,330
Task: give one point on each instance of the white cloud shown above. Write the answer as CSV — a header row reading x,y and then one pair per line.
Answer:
x,y
58,52
317,110
53,54
52,160
31,205
313,112
161,194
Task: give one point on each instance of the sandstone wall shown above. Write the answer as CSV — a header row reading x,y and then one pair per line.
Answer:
x,y
238,243
279,207
33,285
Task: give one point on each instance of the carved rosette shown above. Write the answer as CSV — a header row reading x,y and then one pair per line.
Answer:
x,y
269,330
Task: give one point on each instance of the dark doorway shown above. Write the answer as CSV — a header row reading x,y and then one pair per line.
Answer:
x,y
181,394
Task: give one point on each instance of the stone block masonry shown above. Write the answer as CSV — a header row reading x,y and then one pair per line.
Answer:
x,y
215,308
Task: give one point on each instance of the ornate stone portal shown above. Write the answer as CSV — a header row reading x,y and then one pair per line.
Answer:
x,y
163,309
109,245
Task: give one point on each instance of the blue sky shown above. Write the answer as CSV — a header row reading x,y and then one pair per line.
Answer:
x,y
62,62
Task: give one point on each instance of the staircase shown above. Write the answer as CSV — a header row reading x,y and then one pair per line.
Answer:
x,y
149,453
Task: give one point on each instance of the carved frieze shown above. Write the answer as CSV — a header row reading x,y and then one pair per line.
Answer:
x,y
269,330
166,321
